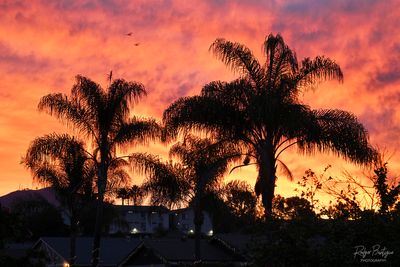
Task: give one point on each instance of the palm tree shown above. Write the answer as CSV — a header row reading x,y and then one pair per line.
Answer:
x,y
62,162
123,194
104,116
136,194
261,111
203,164
167,183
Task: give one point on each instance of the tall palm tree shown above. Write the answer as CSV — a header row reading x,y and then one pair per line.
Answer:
x,y
262,111
104,117
203,164
62,162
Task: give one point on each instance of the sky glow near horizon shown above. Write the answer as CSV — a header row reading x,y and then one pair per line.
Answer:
x,y
44,44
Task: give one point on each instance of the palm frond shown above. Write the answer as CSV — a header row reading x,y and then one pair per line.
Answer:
x,y
88,94
138,131
116,178
340,132
49,175
67,111
235,93
54,146
208,160
285,170
201,114
122,94
320,68
61,161
238,57
281,60
166,183
118,163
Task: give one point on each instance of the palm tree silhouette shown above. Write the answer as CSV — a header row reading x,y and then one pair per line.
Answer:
x,y
123,193
261,111
203,164
208,162
166,183
62,162
136,194
104,116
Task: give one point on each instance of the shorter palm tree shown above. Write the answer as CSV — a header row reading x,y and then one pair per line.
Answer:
x,y
62,162
136,194
167,183
123,194
203,164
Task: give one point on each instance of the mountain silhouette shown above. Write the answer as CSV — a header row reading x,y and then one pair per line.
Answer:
x,y
27,194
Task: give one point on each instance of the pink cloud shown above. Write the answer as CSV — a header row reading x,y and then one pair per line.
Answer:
x,y
44,45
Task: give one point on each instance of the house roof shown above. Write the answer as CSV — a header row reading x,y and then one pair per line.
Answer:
x,y
117,251
235,241
182,250
182,209
112,250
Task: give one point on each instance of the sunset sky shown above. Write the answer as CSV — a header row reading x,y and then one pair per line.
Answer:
x,y
44,44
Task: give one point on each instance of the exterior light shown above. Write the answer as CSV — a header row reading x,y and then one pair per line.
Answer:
x,y
66,264
210,233
134,231
191,231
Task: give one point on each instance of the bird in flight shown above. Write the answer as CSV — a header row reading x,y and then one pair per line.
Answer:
x,y
129,34
137,44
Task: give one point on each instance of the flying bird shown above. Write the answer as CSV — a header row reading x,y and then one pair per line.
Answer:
x,y
137,44
129,34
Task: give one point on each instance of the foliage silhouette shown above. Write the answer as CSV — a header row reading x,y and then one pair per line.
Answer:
x,y
38,216
241,200
388,195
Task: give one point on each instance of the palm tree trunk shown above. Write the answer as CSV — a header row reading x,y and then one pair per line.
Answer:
x,y
102,181
268,196
198,221
72,244
267,177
